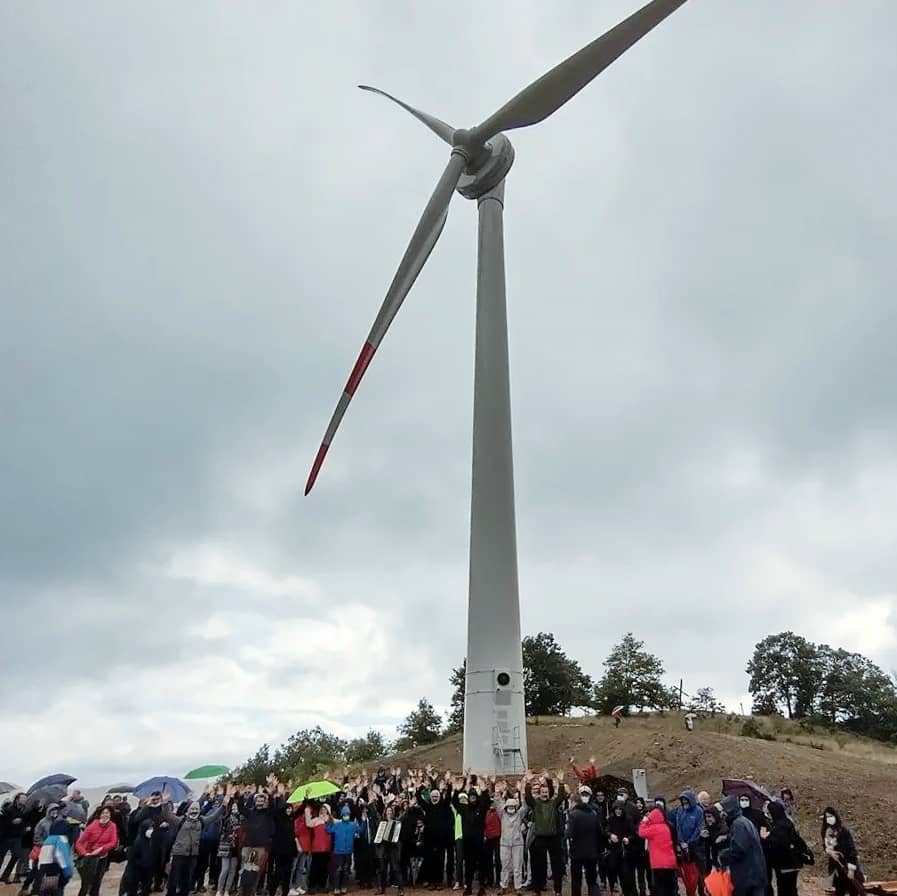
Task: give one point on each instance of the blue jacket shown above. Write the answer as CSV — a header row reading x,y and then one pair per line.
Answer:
x,y
690,821
744,857
344,834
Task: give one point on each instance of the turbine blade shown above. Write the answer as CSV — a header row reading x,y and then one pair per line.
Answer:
x,y
422,242
438,127
547,94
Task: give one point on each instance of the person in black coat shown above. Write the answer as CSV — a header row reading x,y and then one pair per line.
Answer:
x,y
621,835
844,862
283,851
439,830
472,806
585,833
784,850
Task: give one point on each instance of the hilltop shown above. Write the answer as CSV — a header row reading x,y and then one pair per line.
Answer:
x,y
856,775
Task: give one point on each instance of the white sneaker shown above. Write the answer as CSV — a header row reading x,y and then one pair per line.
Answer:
x,y
293,892
301,891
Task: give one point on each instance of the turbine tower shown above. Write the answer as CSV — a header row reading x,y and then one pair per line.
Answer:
x,y
480,159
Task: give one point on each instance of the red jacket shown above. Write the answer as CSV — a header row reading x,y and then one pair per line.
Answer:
x,y
97,836
492,829
303,833
321,841
588,774
656,832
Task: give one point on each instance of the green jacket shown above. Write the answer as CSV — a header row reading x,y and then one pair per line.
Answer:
x,y
545,813
459,832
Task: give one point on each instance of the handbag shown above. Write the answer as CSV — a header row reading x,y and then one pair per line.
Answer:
x,y
719,883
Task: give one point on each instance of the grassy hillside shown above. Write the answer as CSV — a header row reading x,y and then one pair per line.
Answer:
x,y
856,775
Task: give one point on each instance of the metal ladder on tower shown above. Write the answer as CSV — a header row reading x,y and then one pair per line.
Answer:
x,y
506,752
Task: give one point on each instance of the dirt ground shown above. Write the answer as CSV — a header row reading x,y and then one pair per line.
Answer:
x,y
809,886
863,788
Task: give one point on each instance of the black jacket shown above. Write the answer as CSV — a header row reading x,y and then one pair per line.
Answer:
x,y
439,822
473,815
586,834
258,825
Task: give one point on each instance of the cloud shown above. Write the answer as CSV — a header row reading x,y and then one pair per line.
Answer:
x,y
202,217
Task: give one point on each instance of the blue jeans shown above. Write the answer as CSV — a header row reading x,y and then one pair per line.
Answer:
x,y
299,877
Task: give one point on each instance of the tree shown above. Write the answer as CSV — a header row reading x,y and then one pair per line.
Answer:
x,y
256,769
422,726
785,672
705,701
456,716
632,678
366,749
553,683
307,753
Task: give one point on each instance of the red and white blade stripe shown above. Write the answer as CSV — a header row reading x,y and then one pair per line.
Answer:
x,y
361,365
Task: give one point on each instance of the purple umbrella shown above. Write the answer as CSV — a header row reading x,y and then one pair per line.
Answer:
x,y
757,794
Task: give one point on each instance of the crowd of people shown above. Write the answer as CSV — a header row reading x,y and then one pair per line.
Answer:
x,y
421,829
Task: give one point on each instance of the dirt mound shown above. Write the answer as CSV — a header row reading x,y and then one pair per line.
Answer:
x,y
862,787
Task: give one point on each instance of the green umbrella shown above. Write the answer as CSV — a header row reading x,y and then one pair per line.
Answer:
x,y
207,771
314,790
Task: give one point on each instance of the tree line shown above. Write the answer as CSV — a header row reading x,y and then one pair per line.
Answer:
x,y
788,675
823,685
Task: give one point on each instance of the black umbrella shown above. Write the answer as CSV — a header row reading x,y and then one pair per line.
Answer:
x,y
121,788
53,793
63,780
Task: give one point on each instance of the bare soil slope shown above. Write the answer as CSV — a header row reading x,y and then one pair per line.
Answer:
x,y
859,779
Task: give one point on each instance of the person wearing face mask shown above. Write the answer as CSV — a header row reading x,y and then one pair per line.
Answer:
x,y
844,862
756,817
547,840
507,804
744,854
585,833
186,844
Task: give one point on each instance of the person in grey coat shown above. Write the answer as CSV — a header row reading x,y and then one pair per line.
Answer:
x,y
744,856
185,848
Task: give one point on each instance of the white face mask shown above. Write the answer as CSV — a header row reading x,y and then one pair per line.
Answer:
x,y
511,810
830,820
745,804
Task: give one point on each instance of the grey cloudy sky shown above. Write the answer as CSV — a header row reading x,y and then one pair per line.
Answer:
x,y
200,216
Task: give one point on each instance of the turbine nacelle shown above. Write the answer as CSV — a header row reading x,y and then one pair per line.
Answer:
x,y
480,159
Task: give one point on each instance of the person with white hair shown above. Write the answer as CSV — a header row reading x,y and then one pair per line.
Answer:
x,y
185,848
511,847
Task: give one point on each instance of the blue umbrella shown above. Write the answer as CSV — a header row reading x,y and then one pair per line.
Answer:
x,y
173,786
50,780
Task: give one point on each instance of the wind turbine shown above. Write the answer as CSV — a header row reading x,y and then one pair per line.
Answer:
x,y
494,714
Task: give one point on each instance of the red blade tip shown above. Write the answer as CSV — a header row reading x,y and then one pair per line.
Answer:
x,y
315,468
